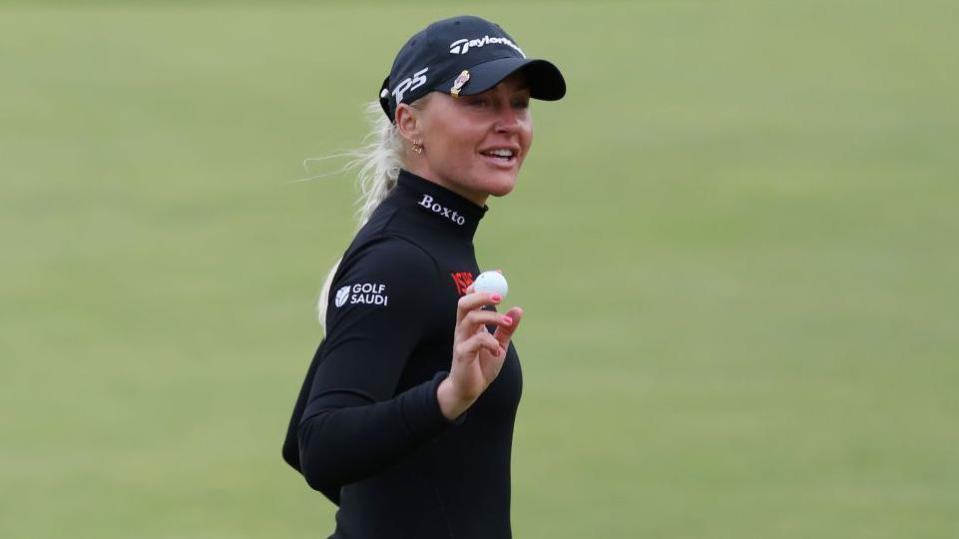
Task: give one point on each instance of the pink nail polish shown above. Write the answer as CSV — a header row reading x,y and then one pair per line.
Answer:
x,y
497,297
508,320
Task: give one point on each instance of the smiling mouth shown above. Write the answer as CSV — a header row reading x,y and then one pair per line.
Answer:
x,y
502,155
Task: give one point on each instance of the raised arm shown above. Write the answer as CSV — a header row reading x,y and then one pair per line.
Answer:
x,y
352,425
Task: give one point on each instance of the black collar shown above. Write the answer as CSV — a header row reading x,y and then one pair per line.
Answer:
x,y
441,207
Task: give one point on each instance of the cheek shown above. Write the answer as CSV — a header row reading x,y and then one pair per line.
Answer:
x,y
526,136
462,141
453,148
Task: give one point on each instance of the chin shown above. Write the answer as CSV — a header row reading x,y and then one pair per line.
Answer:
x,y
501,186
502,192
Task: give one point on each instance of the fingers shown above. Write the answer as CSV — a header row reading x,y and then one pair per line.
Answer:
x,y
474,300
472,319
479,319
468,349
505,332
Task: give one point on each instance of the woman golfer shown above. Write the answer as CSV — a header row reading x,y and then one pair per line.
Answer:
x,y
405,419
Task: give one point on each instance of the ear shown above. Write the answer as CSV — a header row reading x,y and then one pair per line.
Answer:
x,y
408,122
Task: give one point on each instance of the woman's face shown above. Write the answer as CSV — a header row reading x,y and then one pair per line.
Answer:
x,y
461,135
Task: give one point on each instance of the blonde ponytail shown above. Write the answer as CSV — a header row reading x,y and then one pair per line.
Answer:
x,y
377,164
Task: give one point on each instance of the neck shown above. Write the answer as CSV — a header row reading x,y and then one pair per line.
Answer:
x,y
438,207
475,197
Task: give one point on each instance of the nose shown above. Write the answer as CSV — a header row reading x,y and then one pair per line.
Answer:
x,y
507,119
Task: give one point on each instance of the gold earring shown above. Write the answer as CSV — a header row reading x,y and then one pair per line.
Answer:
x,y
418,147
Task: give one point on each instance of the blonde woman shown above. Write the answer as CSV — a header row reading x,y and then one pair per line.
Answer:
x,y
405,418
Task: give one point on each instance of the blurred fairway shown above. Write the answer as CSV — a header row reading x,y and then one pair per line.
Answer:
x,y
735,242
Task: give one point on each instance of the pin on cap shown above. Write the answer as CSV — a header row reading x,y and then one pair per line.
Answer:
x,y
459,82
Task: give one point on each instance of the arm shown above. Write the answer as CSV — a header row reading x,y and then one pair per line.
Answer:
x,y
352,425
352,438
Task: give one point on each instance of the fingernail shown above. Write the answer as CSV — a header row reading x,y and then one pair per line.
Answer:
x,y
507,320
497,297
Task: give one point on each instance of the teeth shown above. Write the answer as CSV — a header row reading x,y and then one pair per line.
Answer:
x,y
501,153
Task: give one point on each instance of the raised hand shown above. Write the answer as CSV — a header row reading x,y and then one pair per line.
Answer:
x,y
478,355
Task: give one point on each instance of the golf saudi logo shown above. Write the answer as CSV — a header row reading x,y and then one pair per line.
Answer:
x,y
362,294
342,295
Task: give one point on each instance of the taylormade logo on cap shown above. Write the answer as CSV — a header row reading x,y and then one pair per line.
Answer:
x,y
462,46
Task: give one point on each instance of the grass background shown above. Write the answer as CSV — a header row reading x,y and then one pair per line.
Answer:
x,y
735,241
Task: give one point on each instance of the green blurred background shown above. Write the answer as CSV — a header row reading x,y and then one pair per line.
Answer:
x,y
735,241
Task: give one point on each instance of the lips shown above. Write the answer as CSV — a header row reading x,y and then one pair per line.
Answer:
x,y
505,153
501,156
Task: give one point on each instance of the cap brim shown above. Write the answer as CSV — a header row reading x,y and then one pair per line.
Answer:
x,y
544,79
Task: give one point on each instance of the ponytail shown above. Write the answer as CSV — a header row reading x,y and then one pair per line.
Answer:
x,y
377,162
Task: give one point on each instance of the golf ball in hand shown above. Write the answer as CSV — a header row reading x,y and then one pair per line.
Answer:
x,y
491,282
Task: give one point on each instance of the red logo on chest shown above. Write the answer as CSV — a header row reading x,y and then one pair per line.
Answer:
x,y
462,280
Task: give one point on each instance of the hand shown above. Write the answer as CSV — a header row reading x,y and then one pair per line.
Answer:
x,y
477,355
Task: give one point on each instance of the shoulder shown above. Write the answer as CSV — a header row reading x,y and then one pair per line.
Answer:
x,y
393,267
389,255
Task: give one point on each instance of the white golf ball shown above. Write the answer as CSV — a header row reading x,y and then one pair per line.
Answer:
x,y
491,282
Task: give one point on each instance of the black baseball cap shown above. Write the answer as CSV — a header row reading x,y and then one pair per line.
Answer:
x,y
463,55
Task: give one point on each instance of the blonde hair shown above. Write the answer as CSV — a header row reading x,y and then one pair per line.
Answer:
x,y
377,163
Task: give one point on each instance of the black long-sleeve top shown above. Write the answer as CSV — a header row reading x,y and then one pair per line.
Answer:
x,y
367,430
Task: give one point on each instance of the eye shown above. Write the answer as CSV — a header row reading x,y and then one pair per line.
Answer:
x,y
521,103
